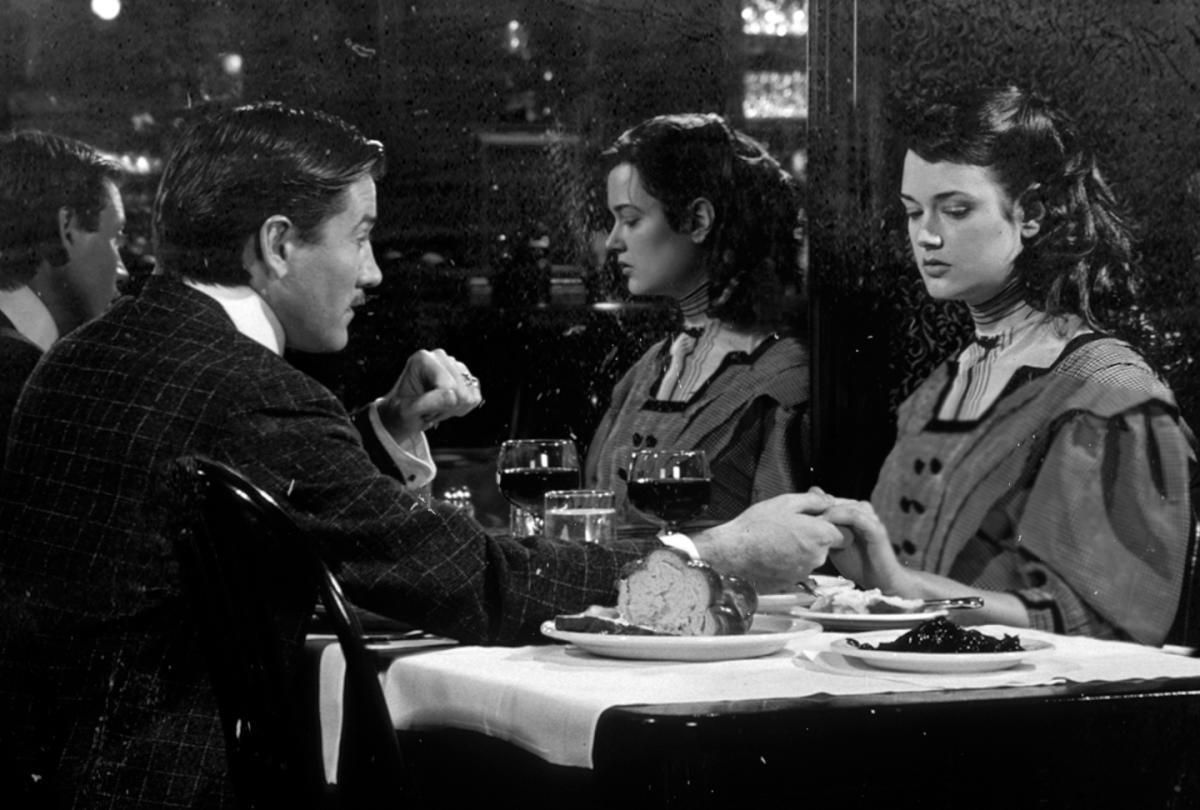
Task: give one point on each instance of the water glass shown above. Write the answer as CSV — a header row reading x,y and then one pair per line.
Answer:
x,y
583,515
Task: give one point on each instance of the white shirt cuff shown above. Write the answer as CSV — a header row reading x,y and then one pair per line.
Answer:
x,y
681,542
412,456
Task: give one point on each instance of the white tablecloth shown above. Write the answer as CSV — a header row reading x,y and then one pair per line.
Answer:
x,y
547,699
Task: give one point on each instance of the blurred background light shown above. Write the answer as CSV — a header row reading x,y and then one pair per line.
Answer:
x,y
779,18
231,63
106,9
773,94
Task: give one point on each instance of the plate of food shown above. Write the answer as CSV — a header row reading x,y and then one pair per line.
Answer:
x,y
671,608
769,633
940,646
851,610
803,595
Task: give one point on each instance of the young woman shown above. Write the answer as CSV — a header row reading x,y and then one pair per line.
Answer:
x,y
704,216
1046,467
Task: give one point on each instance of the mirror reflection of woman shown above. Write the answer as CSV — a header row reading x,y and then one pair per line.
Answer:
x,y
1046,466
704,216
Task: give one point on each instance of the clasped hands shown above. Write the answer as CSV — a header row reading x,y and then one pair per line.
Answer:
x,y
432,388
777,542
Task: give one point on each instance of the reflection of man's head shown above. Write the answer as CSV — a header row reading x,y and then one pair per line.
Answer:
x,y
280,200
61,223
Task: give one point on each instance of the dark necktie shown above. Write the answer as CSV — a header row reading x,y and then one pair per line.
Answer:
x,y
988,342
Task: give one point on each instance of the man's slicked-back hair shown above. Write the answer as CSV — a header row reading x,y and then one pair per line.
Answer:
x,y
232,170
40,174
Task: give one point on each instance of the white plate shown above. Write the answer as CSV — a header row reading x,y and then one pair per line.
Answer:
x,y
768,634
852,622
784,602
935,662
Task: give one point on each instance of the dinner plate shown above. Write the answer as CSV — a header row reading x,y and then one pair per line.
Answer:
x,y
935,662
769,633
784,602
800,597
854,622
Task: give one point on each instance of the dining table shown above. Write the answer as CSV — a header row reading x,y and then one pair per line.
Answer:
x,y
1077,722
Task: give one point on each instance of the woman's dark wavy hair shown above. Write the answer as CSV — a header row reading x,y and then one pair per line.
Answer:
x,y
1081,256
752,251
231,171
41,173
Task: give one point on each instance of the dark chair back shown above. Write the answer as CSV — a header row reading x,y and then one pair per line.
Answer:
x,y
253,578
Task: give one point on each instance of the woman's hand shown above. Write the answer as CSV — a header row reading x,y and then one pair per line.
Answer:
x,y
869,560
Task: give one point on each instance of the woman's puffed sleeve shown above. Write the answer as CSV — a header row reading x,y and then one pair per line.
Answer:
x,y
782,465
1109,517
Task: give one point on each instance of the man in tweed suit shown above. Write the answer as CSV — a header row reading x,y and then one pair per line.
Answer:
x,y
262,227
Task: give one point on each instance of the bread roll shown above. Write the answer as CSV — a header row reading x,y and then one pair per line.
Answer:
x,y
670,593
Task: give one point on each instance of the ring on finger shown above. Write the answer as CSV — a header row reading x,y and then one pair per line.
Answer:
x,y
470,379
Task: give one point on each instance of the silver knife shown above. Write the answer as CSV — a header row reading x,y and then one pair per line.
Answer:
x,y
960,603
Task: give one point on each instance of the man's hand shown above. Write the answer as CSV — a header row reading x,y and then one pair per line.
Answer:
x,y
774,543
432,387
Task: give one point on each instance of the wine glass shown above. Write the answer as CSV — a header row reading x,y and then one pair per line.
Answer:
x,y
672,485
527,470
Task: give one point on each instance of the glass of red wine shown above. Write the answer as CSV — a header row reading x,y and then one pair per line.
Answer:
x,y
529,468
671,485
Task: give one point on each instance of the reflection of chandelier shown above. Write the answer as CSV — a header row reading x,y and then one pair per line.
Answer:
x,y
780,18
772,94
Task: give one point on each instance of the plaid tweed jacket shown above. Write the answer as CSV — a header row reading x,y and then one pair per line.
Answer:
x,y
103,691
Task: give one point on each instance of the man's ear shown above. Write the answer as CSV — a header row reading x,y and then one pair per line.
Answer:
x,y
68,227
701,217
69,233
273,245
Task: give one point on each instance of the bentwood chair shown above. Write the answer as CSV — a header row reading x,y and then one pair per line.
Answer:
x,y
252,577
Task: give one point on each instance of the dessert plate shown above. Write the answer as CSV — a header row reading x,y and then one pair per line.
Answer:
x,y
936,662
768,634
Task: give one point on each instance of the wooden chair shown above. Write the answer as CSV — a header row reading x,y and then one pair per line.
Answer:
x,y
252,577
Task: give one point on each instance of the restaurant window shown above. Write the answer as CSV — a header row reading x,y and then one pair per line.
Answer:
x,y
493,115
